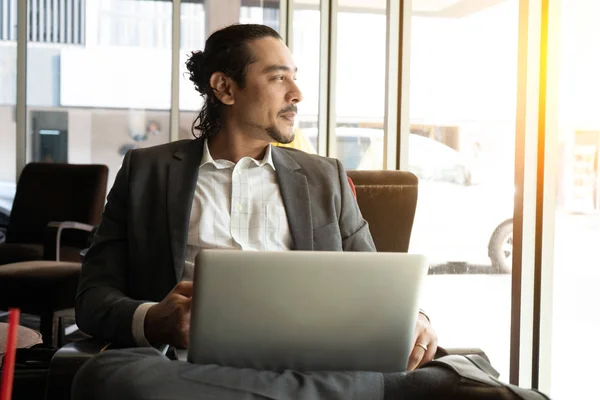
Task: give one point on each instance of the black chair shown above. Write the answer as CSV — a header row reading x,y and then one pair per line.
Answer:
x,y
55,208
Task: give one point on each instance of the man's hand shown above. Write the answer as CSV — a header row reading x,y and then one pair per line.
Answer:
x,y
168,322
425,344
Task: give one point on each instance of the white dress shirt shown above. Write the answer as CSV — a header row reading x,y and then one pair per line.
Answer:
x,y
235,206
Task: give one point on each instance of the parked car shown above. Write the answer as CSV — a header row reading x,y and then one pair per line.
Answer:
x,y
432,160
464,224
456,220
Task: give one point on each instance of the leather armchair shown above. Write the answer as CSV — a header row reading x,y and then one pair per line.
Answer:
x,y
387,200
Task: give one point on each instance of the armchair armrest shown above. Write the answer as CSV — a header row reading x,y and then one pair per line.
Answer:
x,y
53,234
66,362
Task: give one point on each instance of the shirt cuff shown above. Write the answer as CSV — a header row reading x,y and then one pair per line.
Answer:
x,y
137,324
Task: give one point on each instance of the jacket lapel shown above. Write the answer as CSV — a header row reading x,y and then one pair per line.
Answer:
x,y
294,192
181,185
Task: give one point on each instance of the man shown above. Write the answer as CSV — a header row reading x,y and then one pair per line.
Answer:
x,y
228,189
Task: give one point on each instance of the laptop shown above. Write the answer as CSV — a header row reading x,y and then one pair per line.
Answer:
x,y
305,310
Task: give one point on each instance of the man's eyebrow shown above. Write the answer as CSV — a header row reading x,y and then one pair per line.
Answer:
x,y
275,67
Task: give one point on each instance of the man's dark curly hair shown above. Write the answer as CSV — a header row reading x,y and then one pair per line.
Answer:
x,y
225,51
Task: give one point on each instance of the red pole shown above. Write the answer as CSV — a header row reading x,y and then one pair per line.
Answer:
x,y
9,358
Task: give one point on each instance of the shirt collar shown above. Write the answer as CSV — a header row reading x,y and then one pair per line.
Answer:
x,y
221,164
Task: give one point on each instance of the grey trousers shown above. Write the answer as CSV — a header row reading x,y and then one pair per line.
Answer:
x,y
144,373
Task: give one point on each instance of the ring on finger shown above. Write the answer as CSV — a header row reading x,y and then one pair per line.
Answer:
x,y
422,345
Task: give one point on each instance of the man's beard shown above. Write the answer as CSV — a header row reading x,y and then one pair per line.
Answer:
x,y
278,136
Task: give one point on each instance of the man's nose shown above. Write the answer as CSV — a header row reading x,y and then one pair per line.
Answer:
x,y
295,94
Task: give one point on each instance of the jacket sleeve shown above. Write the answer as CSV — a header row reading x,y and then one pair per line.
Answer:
x,y
102,309
354,229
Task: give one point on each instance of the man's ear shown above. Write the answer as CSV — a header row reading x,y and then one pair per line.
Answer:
x,y
222,87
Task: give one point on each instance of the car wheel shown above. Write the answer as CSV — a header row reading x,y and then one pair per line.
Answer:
x,y
501,248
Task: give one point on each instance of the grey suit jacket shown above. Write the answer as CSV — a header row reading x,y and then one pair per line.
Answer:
x,y
138,251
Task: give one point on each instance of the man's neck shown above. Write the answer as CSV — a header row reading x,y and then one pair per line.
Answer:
x,y
234,146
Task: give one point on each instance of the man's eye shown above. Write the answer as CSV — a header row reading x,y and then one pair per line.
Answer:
x,y
279,77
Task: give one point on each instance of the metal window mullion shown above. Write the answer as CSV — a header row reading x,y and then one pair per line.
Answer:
x,y
551,150
332,91
397,71
21,107
323,127
283,25
540,194
175,51
286,20
525,205
327,51
403,102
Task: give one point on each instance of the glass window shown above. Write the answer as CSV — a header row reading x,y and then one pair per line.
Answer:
x,y
577,215
198,22
8,100
360,84
463,70
106,92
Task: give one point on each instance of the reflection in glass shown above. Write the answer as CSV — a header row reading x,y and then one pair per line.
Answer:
x,y
8,100
103,86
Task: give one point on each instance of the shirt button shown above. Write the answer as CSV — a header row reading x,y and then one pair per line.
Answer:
x,y
238,207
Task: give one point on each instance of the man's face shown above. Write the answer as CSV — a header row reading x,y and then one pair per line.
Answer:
x,y
266,106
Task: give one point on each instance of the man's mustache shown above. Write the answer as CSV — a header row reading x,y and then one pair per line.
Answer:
x,y
289,108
